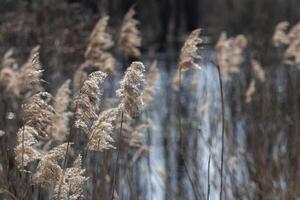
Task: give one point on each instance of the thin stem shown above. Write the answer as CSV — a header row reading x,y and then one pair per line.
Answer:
x,y
148,157
23,146
223,124
65,162
181,156
9,193
208,177
117,160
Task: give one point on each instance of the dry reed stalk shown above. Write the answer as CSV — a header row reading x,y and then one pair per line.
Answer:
x,y
129,39
188,54
130,94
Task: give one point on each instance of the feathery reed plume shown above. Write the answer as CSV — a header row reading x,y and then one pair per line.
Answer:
x,y
294,33
76,179
8,60
258,70
292,53
130,94
100,134
150,86
96,55
187,58
130,91
250,91
70,183
87,100
38,113
280,37
61,189
100,40
25,152
28,76
62,115
189,51
81,74
9,67
48,171
229,53
129,38
292,39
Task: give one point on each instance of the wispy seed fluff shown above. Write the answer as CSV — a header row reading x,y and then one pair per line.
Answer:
x,y
38,113
100,134
130,39
131,89
189,51
88,99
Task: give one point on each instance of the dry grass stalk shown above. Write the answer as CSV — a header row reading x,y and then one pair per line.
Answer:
x,y
100,134
87,100
129,39
280,37
250,92
189,51
130,91
150,84
62,115
229,53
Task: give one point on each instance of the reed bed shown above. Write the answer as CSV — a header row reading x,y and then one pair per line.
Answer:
x,y
220,125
